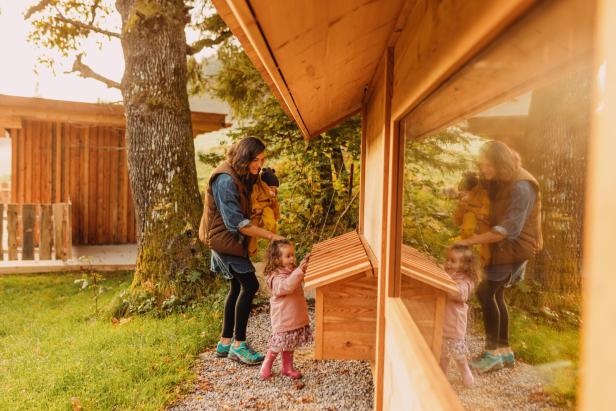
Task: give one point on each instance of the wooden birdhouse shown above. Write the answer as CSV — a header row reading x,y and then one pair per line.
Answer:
x,y
346,289
424,289
342,272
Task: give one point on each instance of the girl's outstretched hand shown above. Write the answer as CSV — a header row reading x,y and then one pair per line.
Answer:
x,y
276,237
304,264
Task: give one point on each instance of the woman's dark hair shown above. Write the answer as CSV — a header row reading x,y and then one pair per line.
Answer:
x,y
273,255
243,152
505,160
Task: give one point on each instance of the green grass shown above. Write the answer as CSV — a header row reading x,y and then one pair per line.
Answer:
x,y
553,347
52,348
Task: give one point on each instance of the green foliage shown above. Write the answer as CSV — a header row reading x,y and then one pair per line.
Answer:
x,y
91,280
316,188
50,351
431,165
64,25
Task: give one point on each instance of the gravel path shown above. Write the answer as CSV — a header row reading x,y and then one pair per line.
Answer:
x,y
340,385
326,385
519,388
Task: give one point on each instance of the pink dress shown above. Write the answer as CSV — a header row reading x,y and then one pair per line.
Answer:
x,y
288,310
456,317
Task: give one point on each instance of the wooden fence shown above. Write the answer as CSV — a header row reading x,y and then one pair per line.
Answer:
x,y
36,230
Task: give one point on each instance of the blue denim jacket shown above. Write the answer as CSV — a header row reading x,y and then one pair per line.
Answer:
x,y
522,201
227,201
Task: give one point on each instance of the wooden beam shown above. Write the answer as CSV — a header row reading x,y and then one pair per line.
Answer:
x,y
552,39
439,37
417,380
384,279
596,391
362,169
16,109
237,14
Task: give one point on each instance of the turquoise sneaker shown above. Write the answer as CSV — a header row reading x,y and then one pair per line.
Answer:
x,y
508,360
222,350
245,354
489,362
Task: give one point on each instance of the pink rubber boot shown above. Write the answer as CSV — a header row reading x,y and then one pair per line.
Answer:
x,y
467,376
287,366
266,366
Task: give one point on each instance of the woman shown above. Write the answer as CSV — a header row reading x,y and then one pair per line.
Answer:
x,y
226,228
515,236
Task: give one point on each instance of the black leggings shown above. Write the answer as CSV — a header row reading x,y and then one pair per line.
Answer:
x,y
491,295
237,305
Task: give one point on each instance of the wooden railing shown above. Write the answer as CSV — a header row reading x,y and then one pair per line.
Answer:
x,y
36,231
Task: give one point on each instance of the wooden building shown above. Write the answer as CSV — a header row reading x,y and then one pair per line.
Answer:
x,y
413,67
76,152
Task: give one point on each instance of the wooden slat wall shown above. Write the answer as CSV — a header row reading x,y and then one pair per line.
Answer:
x,y
349,320
86,165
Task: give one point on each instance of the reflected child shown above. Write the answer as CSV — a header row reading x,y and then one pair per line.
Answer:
x,y
463,267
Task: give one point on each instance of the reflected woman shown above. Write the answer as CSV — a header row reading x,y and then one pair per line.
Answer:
x,y
515,236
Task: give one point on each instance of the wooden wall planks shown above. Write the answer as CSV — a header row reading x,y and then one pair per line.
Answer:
x,y
86,165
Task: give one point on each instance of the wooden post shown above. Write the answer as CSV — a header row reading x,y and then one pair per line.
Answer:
x,y
67,227
1,232
58,214
46,232
28,216
388,211
12,213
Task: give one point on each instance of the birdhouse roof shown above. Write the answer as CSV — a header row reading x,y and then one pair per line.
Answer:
x,y
337,259
422,268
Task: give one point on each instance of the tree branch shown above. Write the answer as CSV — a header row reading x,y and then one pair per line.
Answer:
x,y
86,72
91,27
36,8
199,45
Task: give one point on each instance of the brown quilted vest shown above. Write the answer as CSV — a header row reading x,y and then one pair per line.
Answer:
x,y
530,240
212,230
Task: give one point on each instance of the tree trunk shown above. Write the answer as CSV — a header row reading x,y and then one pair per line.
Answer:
x,y
554,151
161,156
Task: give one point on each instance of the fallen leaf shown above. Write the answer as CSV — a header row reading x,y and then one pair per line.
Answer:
x,y
76,404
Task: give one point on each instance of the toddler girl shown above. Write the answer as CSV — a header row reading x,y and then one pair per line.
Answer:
x,y
288,308
462,266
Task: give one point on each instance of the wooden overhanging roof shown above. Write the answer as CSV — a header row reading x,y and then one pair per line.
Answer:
x,y
15,109
337,259
422,268
318,57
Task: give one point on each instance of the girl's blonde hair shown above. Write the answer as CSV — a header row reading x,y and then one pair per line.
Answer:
x,y
472,266
273,255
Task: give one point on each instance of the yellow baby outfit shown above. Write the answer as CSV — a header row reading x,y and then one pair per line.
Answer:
x,y
265,211
473,217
